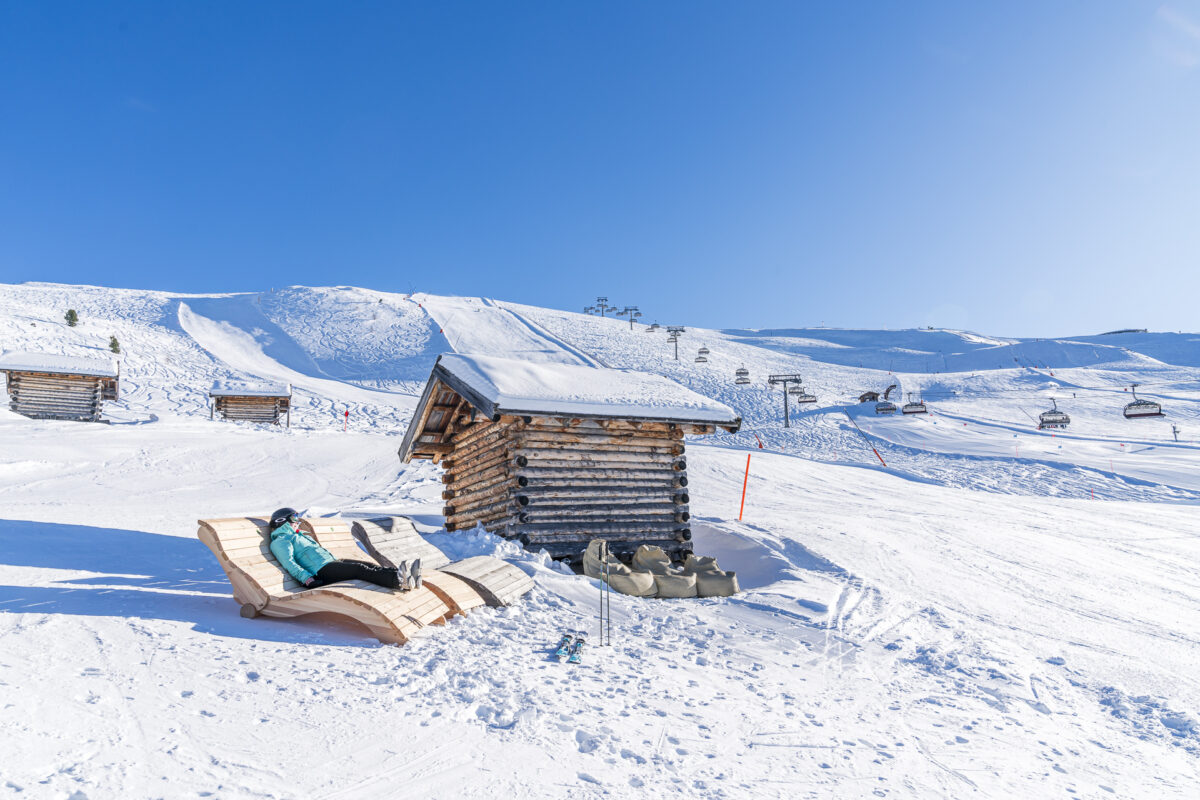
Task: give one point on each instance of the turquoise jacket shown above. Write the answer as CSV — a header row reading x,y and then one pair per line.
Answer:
x,y
299,554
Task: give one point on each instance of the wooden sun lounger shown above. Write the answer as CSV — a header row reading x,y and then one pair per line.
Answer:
x,y
335,536
394,539
262,586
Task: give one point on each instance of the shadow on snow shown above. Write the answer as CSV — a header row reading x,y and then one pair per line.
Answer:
x,y
141,575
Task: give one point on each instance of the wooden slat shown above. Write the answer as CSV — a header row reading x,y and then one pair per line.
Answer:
x,y
258,580
568,450
53,396
531,495
496,581
34,393
24,374
552,458
454,591
600,437
334,534
603,426
247,525
574,530
395,539
469,520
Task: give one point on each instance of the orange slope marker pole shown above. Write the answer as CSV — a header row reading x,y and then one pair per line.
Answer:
x,y
745,481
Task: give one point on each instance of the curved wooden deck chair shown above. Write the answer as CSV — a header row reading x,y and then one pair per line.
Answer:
x,y
394,539
262,586
335,536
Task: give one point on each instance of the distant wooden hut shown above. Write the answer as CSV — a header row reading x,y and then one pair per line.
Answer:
x,y
556,455
49,386
266,402
873,397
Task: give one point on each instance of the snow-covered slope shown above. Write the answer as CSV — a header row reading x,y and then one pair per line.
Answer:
x,y
997,612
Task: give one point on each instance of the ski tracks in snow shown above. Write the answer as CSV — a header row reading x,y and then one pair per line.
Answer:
x,y
538,330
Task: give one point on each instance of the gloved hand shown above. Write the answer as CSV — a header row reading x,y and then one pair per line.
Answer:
x,y
310,582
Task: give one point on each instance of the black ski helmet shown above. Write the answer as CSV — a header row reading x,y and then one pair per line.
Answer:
x,y
281,516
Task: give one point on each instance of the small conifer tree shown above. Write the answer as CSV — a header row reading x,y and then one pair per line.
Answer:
x,y
71,317
113,344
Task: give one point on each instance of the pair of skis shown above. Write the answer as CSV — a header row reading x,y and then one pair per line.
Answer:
x,y
570,647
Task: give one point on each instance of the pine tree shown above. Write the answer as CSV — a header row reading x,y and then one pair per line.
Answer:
x,y
113,344
71,317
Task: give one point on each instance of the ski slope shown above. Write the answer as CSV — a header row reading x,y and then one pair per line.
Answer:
x,y
483,327
997,612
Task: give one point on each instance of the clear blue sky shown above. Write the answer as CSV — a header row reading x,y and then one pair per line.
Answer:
x,y
1024,168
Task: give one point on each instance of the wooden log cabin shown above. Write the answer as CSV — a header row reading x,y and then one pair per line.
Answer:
x,y
49,386
252,402
556,455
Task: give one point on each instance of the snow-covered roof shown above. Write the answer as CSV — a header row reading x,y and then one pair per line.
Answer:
x,y
229,389
57,363
509,386
497,386
513,386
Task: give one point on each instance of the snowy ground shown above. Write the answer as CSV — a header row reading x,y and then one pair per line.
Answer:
x,y
995,613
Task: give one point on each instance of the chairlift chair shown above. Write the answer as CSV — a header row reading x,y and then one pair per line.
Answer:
x,y
803,396
1142,408
703,351
914,408
741,376
701,360
1053,418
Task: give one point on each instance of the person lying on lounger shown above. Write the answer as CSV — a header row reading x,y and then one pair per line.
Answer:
x,y
313,565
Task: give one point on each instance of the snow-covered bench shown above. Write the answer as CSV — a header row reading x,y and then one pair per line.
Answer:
x,y
334,535
394,539
261,586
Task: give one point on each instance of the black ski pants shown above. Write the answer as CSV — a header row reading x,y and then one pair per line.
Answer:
x,y
336,571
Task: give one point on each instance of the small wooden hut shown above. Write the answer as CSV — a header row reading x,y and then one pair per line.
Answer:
x,y
556,455
251,402
48,386
869,397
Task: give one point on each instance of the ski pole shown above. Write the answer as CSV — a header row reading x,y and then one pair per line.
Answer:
x,y
745,481
604,579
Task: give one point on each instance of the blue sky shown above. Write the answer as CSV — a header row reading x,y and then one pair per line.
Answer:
x,y
1029,168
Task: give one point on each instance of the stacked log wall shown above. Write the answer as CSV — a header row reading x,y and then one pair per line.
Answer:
x,y
251,408
558,483
54,396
